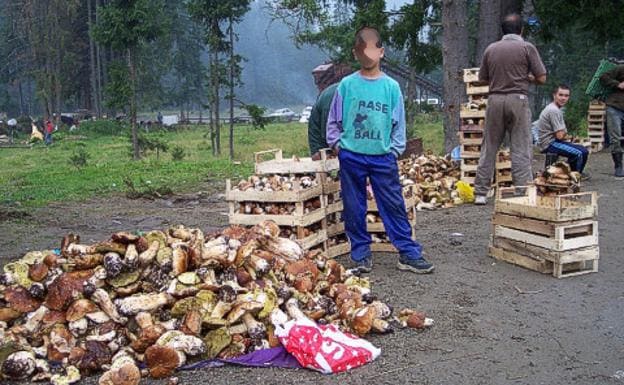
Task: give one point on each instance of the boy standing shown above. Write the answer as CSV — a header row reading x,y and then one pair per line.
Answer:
x,y
366,128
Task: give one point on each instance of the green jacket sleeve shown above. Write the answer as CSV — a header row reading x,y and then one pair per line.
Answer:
x,y
316,140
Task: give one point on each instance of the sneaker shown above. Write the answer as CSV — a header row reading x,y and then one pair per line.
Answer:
x,y
480,200
585,176
419,266
363,266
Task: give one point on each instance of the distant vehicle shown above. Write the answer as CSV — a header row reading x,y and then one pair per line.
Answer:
x,y
282,115
305,114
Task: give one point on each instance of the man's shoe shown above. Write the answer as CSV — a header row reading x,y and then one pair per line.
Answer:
x,y
480,200
418,266
363,266
585,176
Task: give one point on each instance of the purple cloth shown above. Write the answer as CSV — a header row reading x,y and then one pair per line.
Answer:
x,y
275,357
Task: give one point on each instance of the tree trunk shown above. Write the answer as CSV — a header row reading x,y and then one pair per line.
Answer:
x,y
212,104
510,6
92,66
489,26
217,103
136,154
454,60
231,96
410,99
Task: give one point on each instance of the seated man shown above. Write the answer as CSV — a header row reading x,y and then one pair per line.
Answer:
x,y
552,132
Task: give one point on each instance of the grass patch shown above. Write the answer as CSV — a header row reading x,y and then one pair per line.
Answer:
x,y
429,128
34,177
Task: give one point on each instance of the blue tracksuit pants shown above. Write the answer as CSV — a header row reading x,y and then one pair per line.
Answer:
x,y
577,155
382,170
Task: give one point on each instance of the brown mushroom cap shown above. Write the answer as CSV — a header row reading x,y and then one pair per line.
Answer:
x,y
161,360
21,300
148,337
127,374
96,355
416,320
79,309
65,288
38,271
7,314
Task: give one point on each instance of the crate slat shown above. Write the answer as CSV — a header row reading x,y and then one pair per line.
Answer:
x,y
271,196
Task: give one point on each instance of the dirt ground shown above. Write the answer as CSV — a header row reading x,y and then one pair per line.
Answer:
x,y
494,323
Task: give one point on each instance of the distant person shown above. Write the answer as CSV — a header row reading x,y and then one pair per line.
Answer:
x,y
366,129
327,82
48,130
614,81
159,117
508,66
552,132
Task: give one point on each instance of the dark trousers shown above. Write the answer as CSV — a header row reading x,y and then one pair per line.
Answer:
x,y
47,137
383,172
577,155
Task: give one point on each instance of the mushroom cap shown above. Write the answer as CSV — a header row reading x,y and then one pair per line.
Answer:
x,y
38,271
241,308
127,374
65,288
21,300
80,308
161,360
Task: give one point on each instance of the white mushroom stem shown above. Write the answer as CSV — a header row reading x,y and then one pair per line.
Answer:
x,y
103,337
146,257
132,255
102,298
99,317
141,302
292,307
254,328
34,319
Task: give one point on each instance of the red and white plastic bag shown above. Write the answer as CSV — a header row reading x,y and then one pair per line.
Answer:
x,y
324,347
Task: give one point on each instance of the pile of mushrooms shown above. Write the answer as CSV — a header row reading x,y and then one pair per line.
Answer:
x,y
274,208
143,304
558,179
434,179
276,183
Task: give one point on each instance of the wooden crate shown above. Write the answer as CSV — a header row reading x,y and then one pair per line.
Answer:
x,y
251,195
474,89
471,137
279,165
331,186
337,250
312,240
469,165
503,175
299,218
471,125
471,75
597,105
506,165
409,196
471,114
470,151
524,202
559,264
555,236
597,146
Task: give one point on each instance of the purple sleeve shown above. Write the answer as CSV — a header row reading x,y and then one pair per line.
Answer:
x,y
334,120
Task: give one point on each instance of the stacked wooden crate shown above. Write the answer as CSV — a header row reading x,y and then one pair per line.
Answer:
x,y
596,118
502,177
374,225
472,123
307,223
550,234
337,241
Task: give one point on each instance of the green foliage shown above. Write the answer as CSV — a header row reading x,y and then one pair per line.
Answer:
x,y
256,112
153,142
102,127
178,153
79,158
118,90
143,188
123,24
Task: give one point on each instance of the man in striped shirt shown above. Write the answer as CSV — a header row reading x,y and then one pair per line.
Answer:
x,y
552,132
